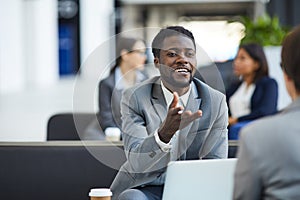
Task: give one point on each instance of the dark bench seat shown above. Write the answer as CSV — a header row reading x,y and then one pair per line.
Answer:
x,y
56,170
60,169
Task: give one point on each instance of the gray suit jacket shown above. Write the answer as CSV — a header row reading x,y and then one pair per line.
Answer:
x,y
144,109
109,116
268,164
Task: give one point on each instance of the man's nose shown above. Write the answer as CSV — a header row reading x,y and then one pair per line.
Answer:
x,y
182,59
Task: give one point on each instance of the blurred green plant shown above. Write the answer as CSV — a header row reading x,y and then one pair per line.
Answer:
x,y
265,30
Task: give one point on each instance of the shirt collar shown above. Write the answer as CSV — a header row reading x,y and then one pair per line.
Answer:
x,y
169,95
118,79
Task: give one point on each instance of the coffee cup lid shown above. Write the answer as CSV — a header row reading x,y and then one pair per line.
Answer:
x,y
112,131
100,192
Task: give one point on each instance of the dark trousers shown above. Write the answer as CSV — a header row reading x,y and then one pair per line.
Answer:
x,y
150,192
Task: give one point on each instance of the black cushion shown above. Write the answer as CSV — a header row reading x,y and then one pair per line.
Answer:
x,y
68,126
53,172
61,170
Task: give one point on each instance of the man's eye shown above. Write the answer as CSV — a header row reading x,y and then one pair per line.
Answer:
x,y
190,54
171,54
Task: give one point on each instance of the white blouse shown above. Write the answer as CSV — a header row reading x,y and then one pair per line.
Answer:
x,y
240,101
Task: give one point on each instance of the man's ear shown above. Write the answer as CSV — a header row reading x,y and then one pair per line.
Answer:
x,y
156,62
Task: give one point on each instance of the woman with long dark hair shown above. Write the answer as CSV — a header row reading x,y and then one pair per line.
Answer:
x,y
130,60
256,94
128,71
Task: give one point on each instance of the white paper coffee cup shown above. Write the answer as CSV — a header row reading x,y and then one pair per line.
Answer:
x,y
112,134
100,193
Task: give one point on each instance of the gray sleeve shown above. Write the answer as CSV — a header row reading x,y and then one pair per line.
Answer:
x,y
247,183
142,151
216,143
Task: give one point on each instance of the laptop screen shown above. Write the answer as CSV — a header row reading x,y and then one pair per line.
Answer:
x,y
200,179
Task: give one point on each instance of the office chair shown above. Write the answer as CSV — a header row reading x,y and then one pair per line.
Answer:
x,y
61,126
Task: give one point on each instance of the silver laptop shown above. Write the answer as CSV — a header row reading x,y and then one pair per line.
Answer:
x,y
200,179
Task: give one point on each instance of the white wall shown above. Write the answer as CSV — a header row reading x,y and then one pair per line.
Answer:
x,y
24,114
273,55
40,37
12,67
97,39
96,28
28,44
30,89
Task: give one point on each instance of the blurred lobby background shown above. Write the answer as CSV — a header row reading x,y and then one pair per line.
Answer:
x,y
54,52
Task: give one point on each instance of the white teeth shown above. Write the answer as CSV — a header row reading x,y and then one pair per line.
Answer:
x,y
181,70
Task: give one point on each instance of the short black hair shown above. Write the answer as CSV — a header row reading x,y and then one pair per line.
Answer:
x,y
168,32
290,56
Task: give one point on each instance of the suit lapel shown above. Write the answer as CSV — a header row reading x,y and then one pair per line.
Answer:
x,y
158,100
193,105
160,107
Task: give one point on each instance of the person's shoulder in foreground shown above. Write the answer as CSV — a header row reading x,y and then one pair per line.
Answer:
x,y
268,162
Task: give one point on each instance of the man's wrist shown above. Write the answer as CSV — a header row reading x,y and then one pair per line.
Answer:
x,y
163,137
163,146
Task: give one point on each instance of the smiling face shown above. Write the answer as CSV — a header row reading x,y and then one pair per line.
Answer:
x,y
177,62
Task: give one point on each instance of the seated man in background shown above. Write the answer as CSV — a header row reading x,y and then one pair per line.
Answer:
x,y
268,158
170,117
